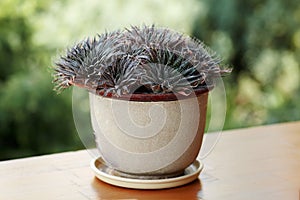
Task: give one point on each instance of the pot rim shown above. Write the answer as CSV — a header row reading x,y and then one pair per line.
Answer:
x,y
152,97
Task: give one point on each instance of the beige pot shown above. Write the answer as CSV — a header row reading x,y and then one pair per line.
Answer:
x,y
149,138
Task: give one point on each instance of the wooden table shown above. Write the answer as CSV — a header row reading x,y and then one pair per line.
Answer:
x,y
261,163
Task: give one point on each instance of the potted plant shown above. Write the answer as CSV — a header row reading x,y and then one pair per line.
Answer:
x,y
148,90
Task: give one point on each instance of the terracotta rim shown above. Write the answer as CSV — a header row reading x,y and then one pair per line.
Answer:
x,y
155,97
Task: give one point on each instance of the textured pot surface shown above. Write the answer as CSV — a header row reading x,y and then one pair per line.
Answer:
x,y
149,138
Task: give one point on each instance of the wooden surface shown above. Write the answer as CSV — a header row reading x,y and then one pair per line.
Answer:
x,y
261,163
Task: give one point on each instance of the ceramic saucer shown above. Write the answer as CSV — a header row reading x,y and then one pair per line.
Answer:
x,y
113,177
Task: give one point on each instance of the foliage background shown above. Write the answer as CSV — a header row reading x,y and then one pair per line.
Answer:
x,y
261,39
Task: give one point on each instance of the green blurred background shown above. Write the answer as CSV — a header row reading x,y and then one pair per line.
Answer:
x,y
260,38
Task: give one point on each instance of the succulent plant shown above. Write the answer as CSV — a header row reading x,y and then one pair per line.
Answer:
x,y
138,60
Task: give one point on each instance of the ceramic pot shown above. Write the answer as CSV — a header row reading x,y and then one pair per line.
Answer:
x,y
153,135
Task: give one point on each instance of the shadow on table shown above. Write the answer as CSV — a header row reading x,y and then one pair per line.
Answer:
x,y
188,192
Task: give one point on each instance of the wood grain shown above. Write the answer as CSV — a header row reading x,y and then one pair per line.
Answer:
x,y
255,163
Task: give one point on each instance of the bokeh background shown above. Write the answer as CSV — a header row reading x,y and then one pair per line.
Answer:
x,y
259,38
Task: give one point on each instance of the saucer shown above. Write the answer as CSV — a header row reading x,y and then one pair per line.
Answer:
x,y
113,177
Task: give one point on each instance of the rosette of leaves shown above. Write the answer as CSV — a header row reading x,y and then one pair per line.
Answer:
x,y
139,60
194,64
84,64
119,78
165,72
